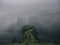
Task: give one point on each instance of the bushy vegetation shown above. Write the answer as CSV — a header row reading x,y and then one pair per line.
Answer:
x,y
27,28
30,44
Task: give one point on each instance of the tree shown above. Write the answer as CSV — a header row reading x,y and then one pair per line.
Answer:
x,y
29,32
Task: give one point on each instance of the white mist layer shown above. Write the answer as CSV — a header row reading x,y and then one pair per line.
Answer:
x,y
10,10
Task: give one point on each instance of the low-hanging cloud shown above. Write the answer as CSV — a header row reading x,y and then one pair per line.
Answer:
x,y
10,10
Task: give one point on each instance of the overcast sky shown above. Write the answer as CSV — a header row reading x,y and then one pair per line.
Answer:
x,y
11,9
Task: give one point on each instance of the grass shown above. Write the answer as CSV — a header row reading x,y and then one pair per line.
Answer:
x,y
30,44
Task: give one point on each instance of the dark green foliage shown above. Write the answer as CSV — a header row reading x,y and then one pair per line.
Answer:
x,y
28,34
27,27
13,40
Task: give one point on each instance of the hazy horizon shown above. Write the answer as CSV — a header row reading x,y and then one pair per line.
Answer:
x,y
10,10
44,15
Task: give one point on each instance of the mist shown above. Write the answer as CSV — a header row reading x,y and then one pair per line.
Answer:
x,y
14,14
10,10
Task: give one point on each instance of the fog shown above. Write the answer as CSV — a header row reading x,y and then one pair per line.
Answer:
x,y
10,10
16,13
